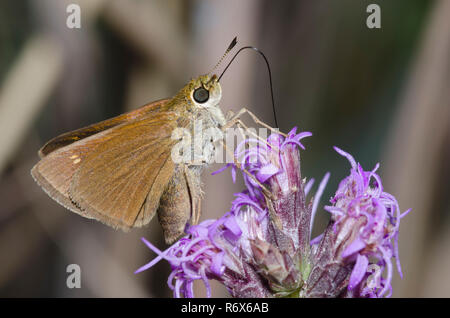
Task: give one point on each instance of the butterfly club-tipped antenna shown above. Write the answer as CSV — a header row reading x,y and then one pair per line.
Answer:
x,y
230,47
268,69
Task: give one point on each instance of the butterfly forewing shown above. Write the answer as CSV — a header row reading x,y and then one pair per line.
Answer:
x,y
55,171
114,181
116,175
76,135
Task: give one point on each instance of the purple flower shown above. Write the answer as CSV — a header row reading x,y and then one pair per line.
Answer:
x,y
366,221
239,249
212,250
262,246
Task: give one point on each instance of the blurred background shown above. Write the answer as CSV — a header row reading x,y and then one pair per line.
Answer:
x,y
381,94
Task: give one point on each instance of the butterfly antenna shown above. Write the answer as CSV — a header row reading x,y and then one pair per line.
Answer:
x,y
268,68
230,47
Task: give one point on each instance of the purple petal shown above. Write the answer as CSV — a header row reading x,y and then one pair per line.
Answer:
x,y
317,197
405,213
316,240
357,245
233,173
155,260
217,263
266,172
358,271
308,186
232,226
346,155
221,169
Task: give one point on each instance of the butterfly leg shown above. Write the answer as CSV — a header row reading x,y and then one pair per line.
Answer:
x,y
236,120
255,119
242,127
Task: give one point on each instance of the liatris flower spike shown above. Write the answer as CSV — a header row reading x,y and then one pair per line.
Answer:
x,y
262,246
365,230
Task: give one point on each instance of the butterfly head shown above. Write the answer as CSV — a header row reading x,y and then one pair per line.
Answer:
x,y
204,91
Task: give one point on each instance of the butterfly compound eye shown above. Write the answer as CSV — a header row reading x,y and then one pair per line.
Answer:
x,y
201,95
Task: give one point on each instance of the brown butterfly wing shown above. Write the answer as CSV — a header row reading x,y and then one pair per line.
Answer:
x,y
55,171
54,174
79,134
126,172
133,133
